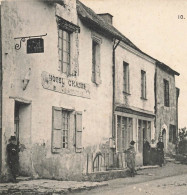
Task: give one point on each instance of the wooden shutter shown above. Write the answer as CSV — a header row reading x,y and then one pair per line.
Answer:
x,y
119,140
97,66
56,143
78,132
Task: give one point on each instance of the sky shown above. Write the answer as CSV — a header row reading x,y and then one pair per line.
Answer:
x,y
154,27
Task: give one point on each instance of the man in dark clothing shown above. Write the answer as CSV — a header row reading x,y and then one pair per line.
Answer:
x,y
13,157
146,152
160,151
130,158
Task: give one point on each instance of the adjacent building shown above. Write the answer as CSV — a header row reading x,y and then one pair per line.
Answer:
x,y
166,106
75,91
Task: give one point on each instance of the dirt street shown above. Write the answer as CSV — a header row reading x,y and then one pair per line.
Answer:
x,y
170,179
176,185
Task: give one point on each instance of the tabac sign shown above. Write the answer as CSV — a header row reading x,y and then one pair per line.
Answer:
x,y
65,85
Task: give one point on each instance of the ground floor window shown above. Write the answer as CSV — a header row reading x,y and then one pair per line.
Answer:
x,y
172,134
124,132
66,130
144,132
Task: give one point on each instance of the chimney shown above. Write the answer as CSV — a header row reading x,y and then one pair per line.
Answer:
x,y
107,17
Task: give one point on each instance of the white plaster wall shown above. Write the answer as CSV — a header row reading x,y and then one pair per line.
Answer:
x,y
136,64
98,115
35,18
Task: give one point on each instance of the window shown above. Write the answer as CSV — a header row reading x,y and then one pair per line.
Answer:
x,y
65,128
124,132
96,77
126,77
166,93
143,84
64,124
144,131
172,134
64,51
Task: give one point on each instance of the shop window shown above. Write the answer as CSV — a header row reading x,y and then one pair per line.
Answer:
x,y
64,51
124,132
65,123
172,134
126,77
96,69
166,93
144,132
143,84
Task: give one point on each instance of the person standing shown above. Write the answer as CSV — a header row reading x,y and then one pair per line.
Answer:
x,y
160,152
13,157
146,152
130,158
153,153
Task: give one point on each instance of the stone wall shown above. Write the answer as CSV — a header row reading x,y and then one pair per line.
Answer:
x,y
165,116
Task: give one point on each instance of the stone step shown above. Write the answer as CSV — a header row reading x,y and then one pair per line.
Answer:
x,y
22,178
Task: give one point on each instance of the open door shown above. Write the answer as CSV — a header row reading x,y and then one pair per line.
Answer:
x,y
22,130
164,138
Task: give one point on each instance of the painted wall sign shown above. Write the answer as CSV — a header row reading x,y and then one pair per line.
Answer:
x,y
35,45
65,85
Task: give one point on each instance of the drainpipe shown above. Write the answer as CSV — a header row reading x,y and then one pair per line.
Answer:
x,y
114,90
155,108
1,79
177,99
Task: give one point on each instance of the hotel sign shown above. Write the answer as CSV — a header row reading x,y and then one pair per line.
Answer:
x,y
65,85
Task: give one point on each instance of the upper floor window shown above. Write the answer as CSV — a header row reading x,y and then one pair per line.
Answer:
x,y
166,93
64,51
126,77
143,84
96,68
67,33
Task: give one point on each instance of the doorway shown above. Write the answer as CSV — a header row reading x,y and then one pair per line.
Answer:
x,y
164,138
22,131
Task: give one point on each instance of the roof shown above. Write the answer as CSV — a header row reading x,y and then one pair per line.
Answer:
x,y
94,21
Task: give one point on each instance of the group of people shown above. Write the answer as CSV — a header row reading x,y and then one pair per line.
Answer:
x,y
152,154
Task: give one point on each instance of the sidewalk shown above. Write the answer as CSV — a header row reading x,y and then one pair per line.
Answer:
x,y
46,187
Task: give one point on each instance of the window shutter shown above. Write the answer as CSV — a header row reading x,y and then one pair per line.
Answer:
x,y
97,66
56,144
78,132
93,60
119,141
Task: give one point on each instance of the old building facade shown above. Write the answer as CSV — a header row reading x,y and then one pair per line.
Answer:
x,y
49,103
75,91
166,106
134,98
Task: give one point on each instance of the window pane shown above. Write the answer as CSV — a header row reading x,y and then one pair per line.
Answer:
x,y
64,67
125,77
64,56
143,84
60,33
60,43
